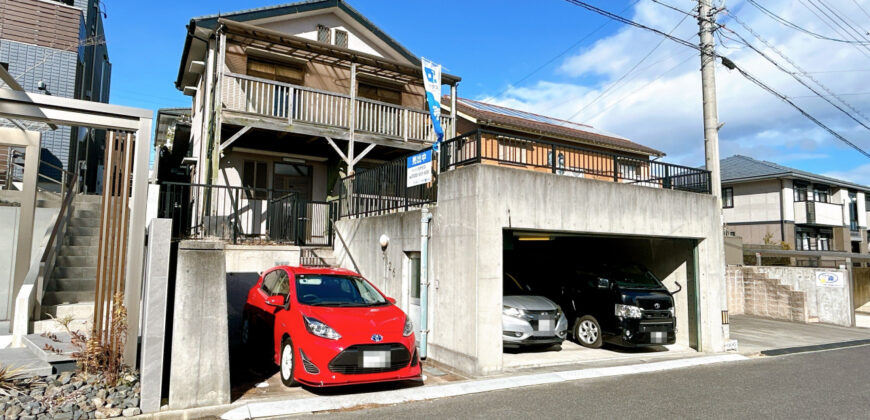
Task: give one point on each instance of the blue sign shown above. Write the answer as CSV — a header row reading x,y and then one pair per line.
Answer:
x,y
432,84
419,168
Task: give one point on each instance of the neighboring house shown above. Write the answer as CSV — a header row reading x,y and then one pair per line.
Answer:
x,y
764,202
59,45
304,118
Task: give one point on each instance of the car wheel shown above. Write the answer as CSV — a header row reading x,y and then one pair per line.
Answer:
x,y
587,332
288,362
246,331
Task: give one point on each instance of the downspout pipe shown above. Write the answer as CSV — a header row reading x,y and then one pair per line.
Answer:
x,y
424,279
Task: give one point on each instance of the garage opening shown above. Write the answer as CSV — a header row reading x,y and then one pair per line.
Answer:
x,y
575,297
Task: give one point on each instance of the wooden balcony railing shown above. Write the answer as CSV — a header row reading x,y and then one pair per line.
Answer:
x,y
299,104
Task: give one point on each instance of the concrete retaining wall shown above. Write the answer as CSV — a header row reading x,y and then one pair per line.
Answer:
x,y
788,293
477,203
861,288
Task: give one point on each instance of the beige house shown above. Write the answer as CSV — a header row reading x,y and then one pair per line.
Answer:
x,y
764,202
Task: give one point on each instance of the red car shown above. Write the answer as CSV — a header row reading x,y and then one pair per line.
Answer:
x,y
330,327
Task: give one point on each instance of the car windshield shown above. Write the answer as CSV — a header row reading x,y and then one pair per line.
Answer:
x,y
336,290
634,277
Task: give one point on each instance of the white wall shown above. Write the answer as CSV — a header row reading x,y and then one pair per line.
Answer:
x,y
862,210
755,202
359,39
788,213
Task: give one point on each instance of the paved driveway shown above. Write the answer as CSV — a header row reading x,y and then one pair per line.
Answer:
x,y
756,334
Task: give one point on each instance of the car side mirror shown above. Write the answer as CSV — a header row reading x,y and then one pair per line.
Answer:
x,y
392,300
277,301
603,283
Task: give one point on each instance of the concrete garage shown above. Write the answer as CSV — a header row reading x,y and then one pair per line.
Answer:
x,y
554,264
476,204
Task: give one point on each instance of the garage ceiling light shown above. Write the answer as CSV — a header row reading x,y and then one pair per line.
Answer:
x,y
534,238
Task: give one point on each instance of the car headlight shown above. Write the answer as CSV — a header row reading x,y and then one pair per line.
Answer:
x,y
320,329
673,312
409,327
558,313
513,312
628,311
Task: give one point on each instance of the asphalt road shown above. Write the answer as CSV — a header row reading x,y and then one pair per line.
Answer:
x,y
826,384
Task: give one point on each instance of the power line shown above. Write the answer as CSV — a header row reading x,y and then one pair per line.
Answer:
x,y
785,99
632,69
726,62
796,66
561,54
845,19
634,92
862,8
842,31
794,26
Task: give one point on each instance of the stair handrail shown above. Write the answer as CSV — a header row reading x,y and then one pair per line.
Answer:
x,y
49,256
28,301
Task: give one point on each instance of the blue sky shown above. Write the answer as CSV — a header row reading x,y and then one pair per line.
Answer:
x,y
495,45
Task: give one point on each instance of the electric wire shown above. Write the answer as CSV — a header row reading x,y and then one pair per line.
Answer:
x,y
796,66
794,26
863,10
862,47
727,63
632,69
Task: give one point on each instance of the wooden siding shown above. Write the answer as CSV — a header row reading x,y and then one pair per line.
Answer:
x,y
43,23
324,77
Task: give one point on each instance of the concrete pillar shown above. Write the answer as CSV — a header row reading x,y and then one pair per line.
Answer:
x,y
154,313
200,367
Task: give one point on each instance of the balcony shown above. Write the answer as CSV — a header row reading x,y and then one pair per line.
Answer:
x,y
383,189
818,213
306,110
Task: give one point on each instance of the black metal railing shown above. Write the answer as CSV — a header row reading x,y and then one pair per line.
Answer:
x,y
383,189
481,146
241,214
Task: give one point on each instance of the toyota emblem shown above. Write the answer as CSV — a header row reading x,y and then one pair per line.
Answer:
x,y
377,338
657,306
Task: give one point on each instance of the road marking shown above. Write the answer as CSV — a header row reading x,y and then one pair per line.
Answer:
x,y
315,404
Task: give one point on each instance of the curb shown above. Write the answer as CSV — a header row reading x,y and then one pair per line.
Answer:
x,y
317,404
817,347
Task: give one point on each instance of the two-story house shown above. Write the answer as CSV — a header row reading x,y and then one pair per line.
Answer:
x,y
305,121
764,202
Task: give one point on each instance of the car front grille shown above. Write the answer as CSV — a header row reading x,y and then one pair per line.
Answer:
x,y
350,361
551,313
650,314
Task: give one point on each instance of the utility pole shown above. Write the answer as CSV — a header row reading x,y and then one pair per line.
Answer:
x,y
708,87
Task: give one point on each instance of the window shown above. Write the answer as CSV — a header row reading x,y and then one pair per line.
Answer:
x,y
414,276
513,150
276,282
323,34
379,93
800,191
821,193
254,179
340,38
628,172
281,72
853,211
727,198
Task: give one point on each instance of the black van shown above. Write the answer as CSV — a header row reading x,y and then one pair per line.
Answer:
x,y
623,304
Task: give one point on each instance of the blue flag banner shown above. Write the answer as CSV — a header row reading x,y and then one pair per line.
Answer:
x,y
432,83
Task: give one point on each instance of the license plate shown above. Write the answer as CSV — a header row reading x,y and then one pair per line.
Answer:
x,y
545,325
658,337
376,359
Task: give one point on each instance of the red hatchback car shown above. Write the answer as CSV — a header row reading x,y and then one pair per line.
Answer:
x,y
330,327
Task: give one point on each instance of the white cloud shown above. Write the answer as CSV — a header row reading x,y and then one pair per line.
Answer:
x,y
859,174
665,112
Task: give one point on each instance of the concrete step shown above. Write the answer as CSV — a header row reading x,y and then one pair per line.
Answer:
x,y
86,213
88,198
78,250
81,310
52,298
85,222
47,326
72,285
82,240
76,261
26,362
37,344
84,231
74,272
